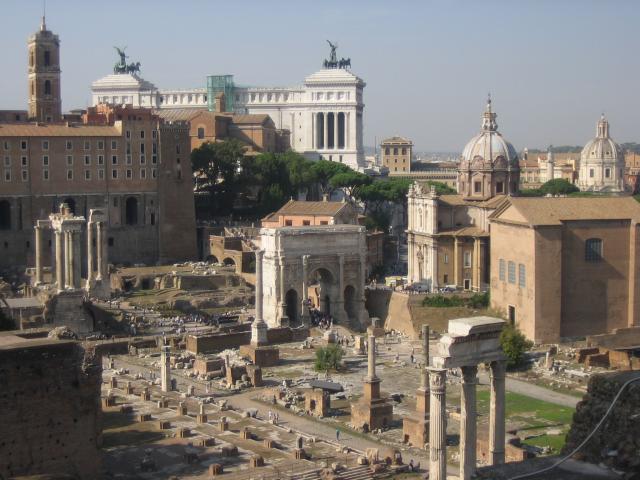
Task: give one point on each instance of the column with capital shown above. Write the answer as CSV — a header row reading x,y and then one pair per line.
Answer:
x,y
305,291
259,328
468,416
497,413
38,252
423,394
100,251
438,424
60,275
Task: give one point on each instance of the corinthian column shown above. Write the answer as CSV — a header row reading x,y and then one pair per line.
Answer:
x,y
259,328
38,249
99,251
371,364
468,423
68,269
284,318
438,424
496,413
75,237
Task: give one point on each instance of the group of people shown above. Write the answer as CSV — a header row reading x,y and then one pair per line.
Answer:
x,y
320,319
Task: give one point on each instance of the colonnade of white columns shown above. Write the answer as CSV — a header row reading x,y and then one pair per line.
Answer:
x,y
336,123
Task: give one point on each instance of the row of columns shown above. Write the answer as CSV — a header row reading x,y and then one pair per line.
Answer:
x,y
96,270
321,138
468,418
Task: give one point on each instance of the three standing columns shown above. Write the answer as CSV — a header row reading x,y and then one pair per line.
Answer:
x,y
438,424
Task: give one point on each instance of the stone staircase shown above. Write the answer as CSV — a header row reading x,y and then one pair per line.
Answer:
x,y
361,472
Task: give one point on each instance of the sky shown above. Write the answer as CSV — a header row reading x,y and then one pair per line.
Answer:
x,y
552,66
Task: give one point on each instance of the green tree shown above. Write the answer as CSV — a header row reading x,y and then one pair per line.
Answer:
x,y
328,358
514,345
325,170
219,168
350,182
441,187
558,186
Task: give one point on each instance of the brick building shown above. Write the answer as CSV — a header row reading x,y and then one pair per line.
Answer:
x,y
396,154
574,268
124,160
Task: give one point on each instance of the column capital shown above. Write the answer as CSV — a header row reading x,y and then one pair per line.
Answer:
x,y
437,380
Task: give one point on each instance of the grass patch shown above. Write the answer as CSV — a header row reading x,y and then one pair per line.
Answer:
x,y
554,442
530,409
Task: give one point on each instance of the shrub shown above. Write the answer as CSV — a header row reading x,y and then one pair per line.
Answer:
x,y
514,345
328,358
479,300
441,301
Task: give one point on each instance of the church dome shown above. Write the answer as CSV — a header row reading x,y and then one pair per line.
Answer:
x,y
602,147
489,149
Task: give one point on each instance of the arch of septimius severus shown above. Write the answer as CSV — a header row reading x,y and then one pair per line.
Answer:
x,y
328,260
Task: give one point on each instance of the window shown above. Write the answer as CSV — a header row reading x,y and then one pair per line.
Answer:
x,y
87,174
47,58
69,145
7,161
25,175
7,175
142,148
23,144
101,174
591,173
178,149
87,159
7,145
143,173
114,174
87,145
324,222
47,87
100,159
404,151
445,279
288,223
467,259
45,145
306,222
200,132
100,145
23,161
129,173
111,242
69,160
143,159
395,150
521,275
446,258
141,133
114,144
154,147
607,172
512,272
154,134
154,173
477,187
69,174
127,134
114,159
128,160
593,250
499,187
45,174
501,270
386,151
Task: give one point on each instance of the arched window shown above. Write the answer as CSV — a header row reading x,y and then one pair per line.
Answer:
x,y
593,250
47,87
5,215
131,211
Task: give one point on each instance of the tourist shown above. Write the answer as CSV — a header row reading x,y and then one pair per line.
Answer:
x,y
337,434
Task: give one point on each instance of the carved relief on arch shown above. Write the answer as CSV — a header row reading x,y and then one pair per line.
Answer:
x,y
500,162
477,162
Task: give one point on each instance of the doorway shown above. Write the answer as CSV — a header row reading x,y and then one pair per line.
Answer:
x,y
512,314
467,284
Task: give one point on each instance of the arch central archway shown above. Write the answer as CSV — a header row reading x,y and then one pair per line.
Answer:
x,y
322,289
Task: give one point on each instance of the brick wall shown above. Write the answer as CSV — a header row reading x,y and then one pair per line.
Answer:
x,y
49,410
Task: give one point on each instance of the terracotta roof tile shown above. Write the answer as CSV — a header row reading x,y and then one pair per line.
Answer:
x,y
295,207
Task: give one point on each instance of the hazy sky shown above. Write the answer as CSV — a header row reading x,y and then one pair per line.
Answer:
x,y
551,65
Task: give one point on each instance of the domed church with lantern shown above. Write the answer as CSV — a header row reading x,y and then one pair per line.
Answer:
x,y
448,235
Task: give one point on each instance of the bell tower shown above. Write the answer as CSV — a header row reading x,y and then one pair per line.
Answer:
x,y
45,104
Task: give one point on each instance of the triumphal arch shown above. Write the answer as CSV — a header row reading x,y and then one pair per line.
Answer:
x,y
320,266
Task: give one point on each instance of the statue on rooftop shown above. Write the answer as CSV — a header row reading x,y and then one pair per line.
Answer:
x,y
122,67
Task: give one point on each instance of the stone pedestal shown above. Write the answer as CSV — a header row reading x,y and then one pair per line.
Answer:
x,y
165,369
245,434
128,389
183,433
262,356
164,425
257,461
215,469
182,409
300,454
223,425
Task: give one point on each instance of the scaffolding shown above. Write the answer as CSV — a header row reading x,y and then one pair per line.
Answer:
x,y
220,84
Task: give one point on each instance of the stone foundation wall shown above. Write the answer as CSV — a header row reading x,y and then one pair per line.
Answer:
x,y
217,342
50,412
619,433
